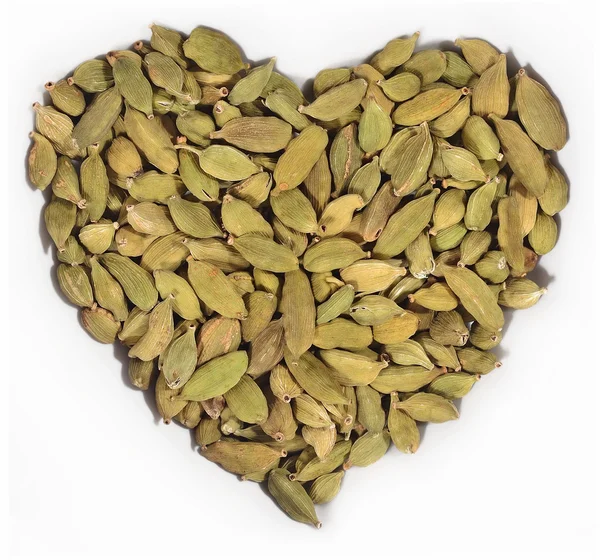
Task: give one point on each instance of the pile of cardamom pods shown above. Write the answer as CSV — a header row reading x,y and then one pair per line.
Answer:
x,y
301,282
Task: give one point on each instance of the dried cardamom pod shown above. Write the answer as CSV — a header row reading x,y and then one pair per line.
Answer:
x,y
159,334
425,407
92,76
414,160
57,128
395,53
396,329
404,226
108,291
42,161
372,275
491,92
213,51
367,449
540,113
100,323
337,101
300,156
267,349
247,401
286,106
522,155
179,359
478,53
292,498
216,376
330,77
544,234
315,378
137,283
294,210
265,253
448,328
401,87
350,368
132,84
453,385
215,290
152,139
98,118
520,293
427,106
375,127
75,284
256,134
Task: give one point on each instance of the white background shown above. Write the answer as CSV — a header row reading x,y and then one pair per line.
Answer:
x,y
94,474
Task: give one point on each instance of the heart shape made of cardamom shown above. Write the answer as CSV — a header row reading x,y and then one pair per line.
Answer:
x,y
301,282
